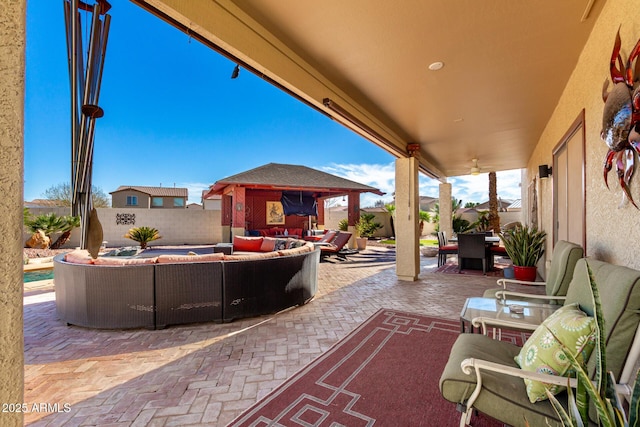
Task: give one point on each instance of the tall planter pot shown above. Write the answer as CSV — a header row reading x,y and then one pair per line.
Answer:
x,y
361,243
528,274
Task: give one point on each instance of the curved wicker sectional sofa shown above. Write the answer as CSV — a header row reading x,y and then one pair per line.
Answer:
x,y
171,290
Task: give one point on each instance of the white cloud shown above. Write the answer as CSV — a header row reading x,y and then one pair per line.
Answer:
x,y
468,188
195,190
380,176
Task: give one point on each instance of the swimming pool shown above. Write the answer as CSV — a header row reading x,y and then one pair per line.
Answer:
x,y
35,275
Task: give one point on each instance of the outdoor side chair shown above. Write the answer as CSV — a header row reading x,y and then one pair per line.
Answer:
x,y
482,375
563,262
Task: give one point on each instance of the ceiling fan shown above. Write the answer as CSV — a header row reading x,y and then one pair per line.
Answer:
x,y
475,170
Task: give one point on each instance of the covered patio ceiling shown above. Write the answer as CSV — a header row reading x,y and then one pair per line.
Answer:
x,y
365,63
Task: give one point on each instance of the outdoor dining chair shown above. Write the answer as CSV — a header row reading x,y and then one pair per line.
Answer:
x,y
472,246
444,249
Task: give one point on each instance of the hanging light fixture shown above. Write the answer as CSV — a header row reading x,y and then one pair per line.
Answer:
x,y
475,170
236,72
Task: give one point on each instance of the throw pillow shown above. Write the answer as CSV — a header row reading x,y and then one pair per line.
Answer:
x,y
543,353
268,244
249,244
280,245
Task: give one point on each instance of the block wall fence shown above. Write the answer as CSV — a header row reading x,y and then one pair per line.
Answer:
x,y
176,226
199,226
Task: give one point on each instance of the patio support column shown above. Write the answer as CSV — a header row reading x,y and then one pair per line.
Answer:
x,y
12,57
406,220
239,217
446,217
226,204
353,216
320,224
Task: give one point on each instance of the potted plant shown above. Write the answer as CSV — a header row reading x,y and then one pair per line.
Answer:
x,y
365,227
525,247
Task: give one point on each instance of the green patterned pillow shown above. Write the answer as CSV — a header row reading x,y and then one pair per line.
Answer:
x,y
543,353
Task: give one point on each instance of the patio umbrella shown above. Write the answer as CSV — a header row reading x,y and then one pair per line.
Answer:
x,y
85,79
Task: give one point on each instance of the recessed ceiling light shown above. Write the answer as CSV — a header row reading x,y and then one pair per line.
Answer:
x,y
436,66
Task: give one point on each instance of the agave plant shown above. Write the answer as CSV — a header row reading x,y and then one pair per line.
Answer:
x,y
143,235
524,245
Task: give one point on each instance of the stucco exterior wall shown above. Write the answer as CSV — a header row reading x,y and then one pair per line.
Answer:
x,y
12,69
612,231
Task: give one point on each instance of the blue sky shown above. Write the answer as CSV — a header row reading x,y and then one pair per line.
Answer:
x,y
173,117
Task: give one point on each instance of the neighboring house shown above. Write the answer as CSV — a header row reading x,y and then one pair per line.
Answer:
x,y
213,202
136,196
428,203
515,206
42,203
503,204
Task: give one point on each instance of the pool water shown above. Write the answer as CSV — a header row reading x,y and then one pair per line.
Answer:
x,y
33,276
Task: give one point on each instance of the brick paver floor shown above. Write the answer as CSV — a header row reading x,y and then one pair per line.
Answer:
x,y
207,374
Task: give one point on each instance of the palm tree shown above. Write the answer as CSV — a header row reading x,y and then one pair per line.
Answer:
x,y
494,218
143,235
455,205
424,217
69,223
391,208
51,223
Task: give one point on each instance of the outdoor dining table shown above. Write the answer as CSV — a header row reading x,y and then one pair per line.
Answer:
x,y
476,264
488,239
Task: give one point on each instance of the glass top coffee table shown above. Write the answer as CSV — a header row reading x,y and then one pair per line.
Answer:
x,y
519,311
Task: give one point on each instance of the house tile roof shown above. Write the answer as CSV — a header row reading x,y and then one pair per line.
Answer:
x,y
277,175
155,191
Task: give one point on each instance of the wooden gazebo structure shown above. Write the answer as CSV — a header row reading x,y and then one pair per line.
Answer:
x,y
250,199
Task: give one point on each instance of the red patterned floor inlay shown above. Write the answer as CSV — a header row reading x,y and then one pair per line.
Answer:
x,y
385,372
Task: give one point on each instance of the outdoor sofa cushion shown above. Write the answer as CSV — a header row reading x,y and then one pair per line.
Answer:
x,y
172,259
79,256
123,261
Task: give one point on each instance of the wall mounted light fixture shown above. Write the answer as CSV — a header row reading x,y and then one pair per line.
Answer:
x,y
544,171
